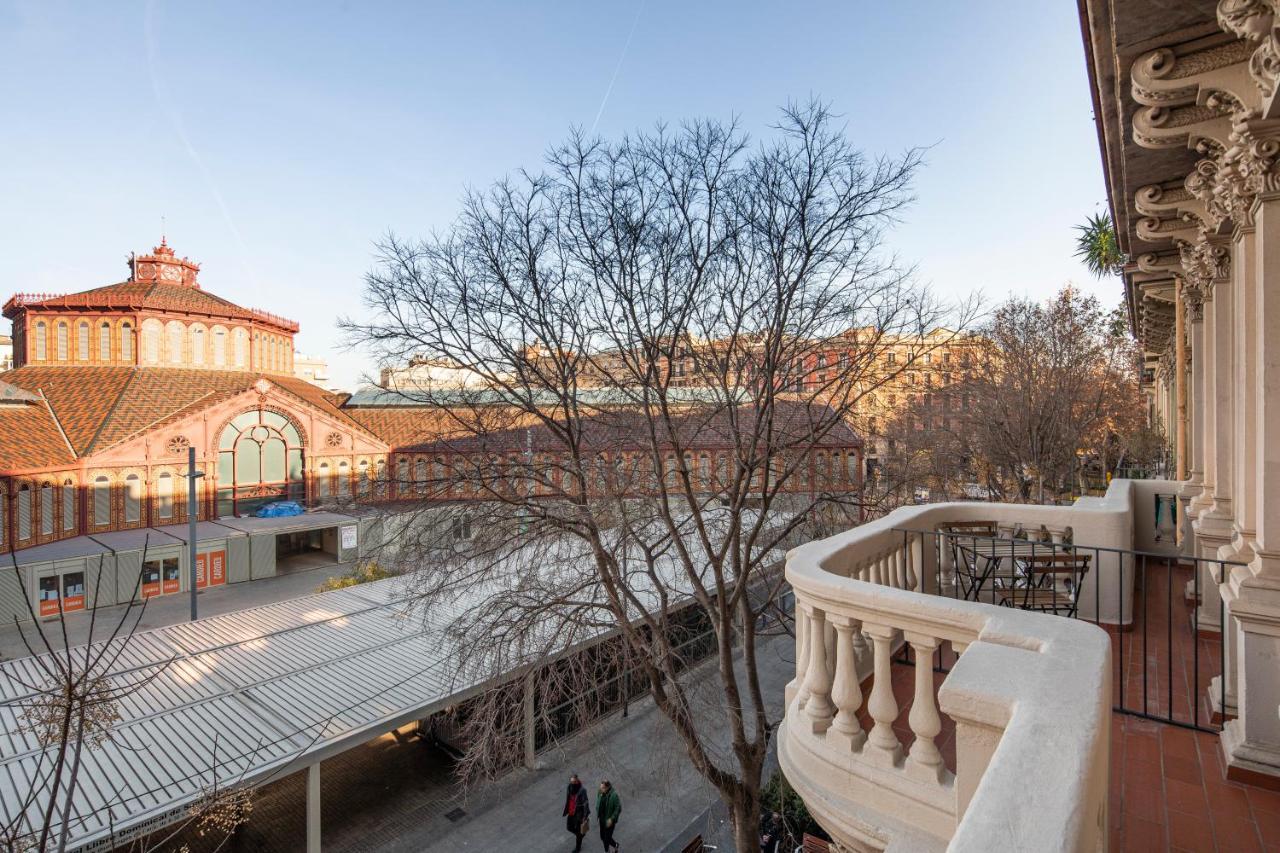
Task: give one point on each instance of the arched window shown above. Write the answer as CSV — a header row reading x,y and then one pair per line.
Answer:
x,y
151,332
257,350
104,342
259,460
402,476
363,478
132,499
68,504
704,470
82,341
420,475
219,346
240,345
101,502
344,478
176,332
197,345
42,335
24,512
164,495
126,343
46,509
322,481
62,342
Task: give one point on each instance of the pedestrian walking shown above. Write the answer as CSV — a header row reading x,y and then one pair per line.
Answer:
x,y
576,811
771,830
608,810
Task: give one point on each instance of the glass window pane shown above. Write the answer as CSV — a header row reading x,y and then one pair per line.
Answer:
x,y
248,465
245,420
225,506
226,468
295,464
273,461
274,419
291,435
227,440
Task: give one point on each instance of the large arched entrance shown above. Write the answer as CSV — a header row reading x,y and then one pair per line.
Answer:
x,y
259,460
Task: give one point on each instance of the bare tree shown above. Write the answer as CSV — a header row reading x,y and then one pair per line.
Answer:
x,y
1056,386
605,494
66,701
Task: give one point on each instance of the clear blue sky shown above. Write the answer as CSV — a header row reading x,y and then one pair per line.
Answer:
x,y
279,143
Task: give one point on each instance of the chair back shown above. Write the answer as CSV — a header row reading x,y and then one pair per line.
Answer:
x,y
1053,583
966,539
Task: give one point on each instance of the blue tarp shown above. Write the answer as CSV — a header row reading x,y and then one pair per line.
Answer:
x,y
279,509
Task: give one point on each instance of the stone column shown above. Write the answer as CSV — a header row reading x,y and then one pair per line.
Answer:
x,y
1194,490
1214,528
1251,743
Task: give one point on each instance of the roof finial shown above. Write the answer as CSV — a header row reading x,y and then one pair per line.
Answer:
x,y
162,230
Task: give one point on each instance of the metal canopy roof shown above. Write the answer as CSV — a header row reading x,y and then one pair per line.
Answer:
x,y
250,696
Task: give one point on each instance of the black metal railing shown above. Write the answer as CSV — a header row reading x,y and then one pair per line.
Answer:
x,y
1163,662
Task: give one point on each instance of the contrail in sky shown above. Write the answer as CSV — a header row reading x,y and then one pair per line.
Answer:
x,y
616,69
176,121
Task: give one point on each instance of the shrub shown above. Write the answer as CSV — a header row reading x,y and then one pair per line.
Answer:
x,y
361,573
778,796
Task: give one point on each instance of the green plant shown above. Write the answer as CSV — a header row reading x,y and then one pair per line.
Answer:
x,y
361,573
1098,247
777,795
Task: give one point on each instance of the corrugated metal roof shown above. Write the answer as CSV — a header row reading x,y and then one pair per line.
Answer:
x,y
240,697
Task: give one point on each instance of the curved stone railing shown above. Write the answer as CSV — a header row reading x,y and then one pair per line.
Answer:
x,y
1030,696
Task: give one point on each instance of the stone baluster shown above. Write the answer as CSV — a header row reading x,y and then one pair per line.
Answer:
x,y
908,557
883,746
924,762
817,681
846,693
796,688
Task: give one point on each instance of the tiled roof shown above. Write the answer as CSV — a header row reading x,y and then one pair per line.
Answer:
x,y
103,406
29,438
153,295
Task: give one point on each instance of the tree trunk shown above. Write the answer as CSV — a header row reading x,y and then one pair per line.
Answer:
x,y
744,811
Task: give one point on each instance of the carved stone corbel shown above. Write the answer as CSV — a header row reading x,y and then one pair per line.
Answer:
x,y
1255,22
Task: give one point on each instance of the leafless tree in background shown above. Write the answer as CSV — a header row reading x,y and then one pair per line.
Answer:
x,y
583,297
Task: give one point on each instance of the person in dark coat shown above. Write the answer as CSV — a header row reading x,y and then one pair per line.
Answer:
x,y
608,810
576,810
771,833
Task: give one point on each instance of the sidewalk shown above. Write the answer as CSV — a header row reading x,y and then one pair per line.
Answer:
x,y
171,609
662,796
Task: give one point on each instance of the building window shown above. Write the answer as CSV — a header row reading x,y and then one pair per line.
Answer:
x,y
344,478
197,345
322,481
46,509
82,342
41,341
68,505
240,345
402,476
891,358
363,478
24,512
219,346
151,331
259,460
132,499
104,342
101,502
420,475
62,342
176,333
164,495
461,528
126,343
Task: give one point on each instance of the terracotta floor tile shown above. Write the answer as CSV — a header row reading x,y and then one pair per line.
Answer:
x,y
1268,824
1185,797
1182,769
1144,802
1237,837
1142,836
1191,832
1263,800
1180,743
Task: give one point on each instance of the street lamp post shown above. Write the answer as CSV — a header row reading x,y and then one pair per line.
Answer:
x,y
193,516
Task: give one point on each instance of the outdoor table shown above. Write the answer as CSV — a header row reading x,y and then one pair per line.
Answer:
x,y
1001,562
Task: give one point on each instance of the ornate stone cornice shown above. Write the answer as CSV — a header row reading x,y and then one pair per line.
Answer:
x,y
1192,301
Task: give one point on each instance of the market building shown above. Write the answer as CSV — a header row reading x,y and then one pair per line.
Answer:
x,y
112,386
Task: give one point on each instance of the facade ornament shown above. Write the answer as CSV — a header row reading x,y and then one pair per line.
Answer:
x,y
1254,21
1193,301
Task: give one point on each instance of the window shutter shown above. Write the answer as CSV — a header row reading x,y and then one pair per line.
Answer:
x,y
102,502
24,514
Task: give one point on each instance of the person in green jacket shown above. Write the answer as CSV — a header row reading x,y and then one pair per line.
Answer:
x,y
608,809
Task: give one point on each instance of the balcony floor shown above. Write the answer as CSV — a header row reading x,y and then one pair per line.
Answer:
x,y
1168,790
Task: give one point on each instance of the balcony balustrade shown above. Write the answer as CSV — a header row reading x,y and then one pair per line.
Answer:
x,y
1024,709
